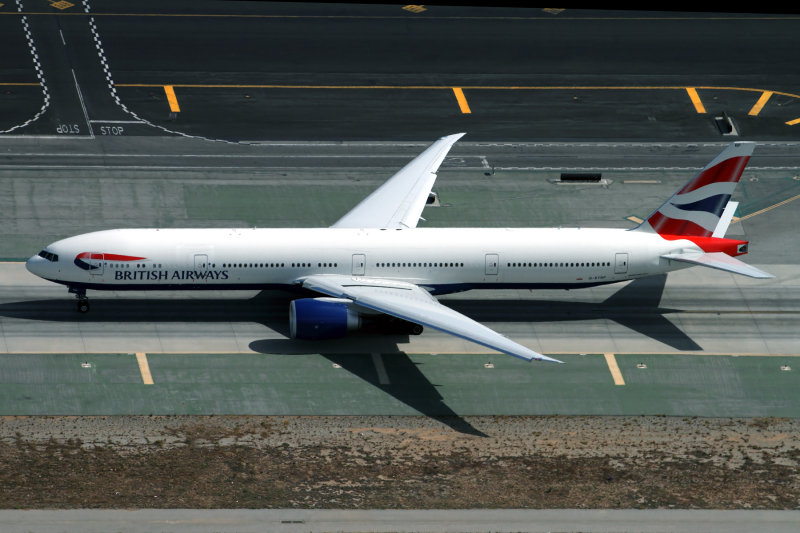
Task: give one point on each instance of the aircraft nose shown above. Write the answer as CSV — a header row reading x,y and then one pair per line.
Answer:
x,y
35,264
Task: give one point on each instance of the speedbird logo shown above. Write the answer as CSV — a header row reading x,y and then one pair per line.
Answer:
x,y
93,260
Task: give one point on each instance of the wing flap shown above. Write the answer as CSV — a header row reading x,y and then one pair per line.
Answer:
x,y
399,202
413,303
720,261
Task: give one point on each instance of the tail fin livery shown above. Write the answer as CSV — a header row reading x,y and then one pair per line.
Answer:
x,y
701,211
697,208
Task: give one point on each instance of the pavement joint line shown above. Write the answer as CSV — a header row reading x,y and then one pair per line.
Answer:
x,y
611,361
380,368
144,368
401,17
83,105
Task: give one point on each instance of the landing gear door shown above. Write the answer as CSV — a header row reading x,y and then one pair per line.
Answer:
x,y
621,266
492,264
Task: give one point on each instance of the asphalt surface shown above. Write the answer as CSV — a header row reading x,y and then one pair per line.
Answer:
x,y
264,71
289,521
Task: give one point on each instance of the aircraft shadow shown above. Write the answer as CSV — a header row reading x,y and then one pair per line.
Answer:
x,y
635,306
403,381
269,308
400,377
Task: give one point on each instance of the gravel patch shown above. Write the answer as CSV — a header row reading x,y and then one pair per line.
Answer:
x,y
398,462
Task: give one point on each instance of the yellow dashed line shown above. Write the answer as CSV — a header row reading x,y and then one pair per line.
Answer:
x,y
144,368
695,98
173,101
760,104
612,366
462,100
793,122
635,219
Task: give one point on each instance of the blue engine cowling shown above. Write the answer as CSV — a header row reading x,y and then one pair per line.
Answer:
x,y
321,318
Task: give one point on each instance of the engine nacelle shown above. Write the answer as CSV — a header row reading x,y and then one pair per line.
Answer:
x,y
322,318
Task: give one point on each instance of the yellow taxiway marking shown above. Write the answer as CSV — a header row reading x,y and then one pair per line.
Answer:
x,y
635,219
760,104
793,122
462,100
611,361
770,208
144,368
469,87
695,98
173,101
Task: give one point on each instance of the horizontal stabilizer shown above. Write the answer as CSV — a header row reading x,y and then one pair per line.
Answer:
x,y
721,261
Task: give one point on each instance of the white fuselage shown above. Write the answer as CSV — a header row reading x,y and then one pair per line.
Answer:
x,y
442,260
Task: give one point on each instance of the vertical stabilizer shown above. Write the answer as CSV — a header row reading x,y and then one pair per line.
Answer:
x,y
697,208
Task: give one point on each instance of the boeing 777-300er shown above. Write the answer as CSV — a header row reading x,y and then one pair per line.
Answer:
x,y
376,261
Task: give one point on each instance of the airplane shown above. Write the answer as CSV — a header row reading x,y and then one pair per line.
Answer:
x,y
375,261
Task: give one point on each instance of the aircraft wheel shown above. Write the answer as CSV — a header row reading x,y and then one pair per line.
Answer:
x,y
83,306
416,329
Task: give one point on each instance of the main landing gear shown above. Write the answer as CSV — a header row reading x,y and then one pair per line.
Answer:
x,y
83,301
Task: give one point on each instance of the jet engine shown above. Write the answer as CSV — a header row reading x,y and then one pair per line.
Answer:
x,y
322,318
331,318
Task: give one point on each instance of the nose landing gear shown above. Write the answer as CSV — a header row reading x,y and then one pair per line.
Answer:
x,y
83,301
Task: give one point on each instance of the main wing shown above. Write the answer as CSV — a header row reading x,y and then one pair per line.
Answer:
x,y
413,303
398,203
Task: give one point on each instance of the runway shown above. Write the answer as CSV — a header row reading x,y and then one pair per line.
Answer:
x,y
289,521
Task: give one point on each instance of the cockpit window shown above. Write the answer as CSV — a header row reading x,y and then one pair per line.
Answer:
x,y
49,256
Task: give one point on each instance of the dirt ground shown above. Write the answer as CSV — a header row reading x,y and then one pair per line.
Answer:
x,y
398,462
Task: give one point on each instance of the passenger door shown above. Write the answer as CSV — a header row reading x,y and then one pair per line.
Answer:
x,y
492,264
621,266
359,264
